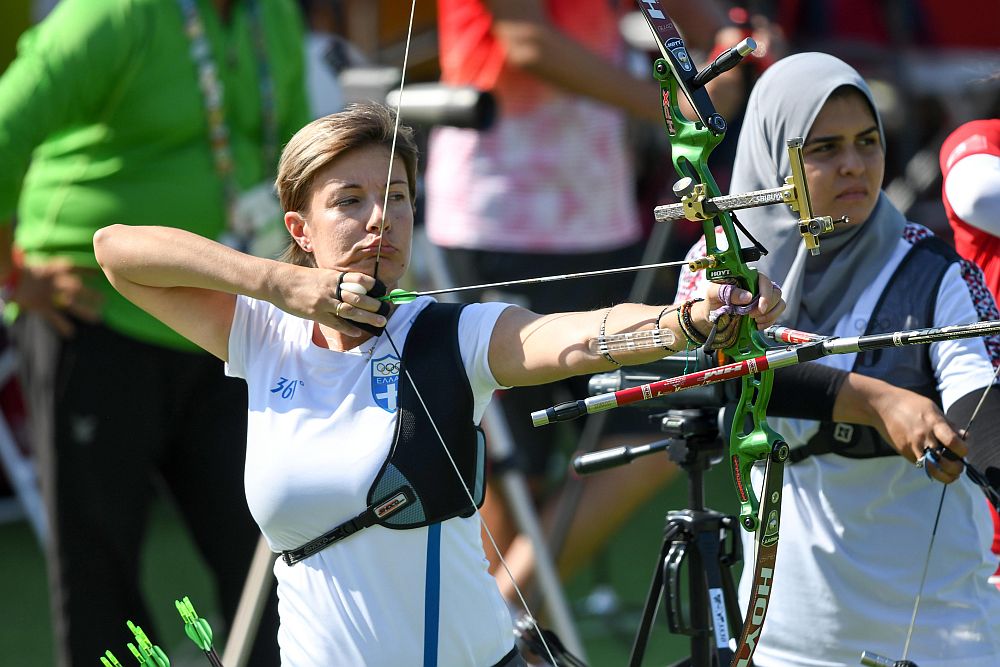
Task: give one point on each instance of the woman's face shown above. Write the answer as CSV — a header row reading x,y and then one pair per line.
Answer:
x,y
342,225
843,157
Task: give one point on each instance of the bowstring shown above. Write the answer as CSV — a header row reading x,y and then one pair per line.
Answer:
x,y
937,520
395,349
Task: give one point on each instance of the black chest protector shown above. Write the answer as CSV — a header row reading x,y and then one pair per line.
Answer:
x,y
907,302
417,484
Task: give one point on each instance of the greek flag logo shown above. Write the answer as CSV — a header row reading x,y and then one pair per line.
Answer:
x,y
385,382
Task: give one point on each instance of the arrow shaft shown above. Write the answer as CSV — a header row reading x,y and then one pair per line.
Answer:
x,y
549,279
772,359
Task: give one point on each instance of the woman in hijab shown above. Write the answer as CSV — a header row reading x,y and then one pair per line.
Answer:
x,y
857,515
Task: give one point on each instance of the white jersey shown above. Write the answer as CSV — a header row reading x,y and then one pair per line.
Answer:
x,y
320,426
854,533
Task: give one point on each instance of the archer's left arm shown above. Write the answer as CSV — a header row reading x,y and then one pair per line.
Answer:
x,y
965,368
529,349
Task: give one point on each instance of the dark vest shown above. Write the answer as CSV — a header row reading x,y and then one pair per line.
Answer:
x,y
908,302
417,484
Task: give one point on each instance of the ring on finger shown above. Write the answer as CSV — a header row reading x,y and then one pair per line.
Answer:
x,y
336,311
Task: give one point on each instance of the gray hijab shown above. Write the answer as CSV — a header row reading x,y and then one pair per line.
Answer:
x,y
818,290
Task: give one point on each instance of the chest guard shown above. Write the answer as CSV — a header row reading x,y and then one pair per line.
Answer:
x,y
417,485
908,302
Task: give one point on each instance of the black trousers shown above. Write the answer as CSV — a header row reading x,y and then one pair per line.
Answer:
x,y
113,422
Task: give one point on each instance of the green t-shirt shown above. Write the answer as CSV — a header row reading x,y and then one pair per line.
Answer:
x,y
102,121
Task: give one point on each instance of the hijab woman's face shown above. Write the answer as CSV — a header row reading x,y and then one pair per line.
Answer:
x,y
844,160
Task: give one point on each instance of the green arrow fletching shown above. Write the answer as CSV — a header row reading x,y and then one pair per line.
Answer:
x,y
399,296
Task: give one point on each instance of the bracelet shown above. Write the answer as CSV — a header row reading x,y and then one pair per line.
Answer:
x,y
687,326
603,344
658,330
680,325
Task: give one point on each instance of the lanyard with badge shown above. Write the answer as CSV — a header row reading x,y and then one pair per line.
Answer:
x,y
252,216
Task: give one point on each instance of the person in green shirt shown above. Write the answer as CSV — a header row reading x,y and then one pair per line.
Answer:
x,y
153,112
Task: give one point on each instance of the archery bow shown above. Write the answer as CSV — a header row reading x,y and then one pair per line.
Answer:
x,y
751,439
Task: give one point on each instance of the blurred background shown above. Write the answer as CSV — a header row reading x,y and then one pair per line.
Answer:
x,y
930,66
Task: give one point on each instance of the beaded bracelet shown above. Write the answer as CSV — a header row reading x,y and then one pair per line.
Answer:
x,y
680,324
603,344
687,326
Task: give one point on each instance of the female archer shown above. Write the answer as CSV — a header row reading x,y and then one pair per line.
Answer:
x,y
364,463
857,513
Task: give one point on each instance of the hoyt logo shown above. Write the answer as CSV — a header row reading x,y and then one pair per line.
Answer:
x,y
757,614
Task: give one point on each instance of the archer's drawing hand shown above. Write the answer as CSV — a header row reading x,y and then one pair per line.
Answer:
x,y
912,423
331,297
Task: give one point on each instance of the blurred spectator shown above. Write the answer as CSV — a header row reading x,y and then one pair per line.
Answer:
x,y
970,165
327,54
157,112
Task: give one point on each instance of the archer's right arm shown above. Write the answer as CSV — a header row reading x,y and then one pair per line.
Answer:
x,y
190,283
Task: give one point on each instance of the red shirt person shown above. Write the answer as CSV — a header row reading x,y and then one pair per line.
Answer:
x,y
970,168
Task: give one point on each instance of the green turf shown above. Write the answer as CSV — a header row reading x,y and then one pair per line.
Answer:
x,y
173,570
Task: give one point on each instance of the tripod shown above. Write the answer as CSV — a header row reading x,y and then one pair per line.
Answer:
x,y
705,542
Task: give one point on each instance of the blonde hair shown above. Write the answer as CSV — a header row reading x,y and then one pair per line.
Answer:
x,y
324,140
